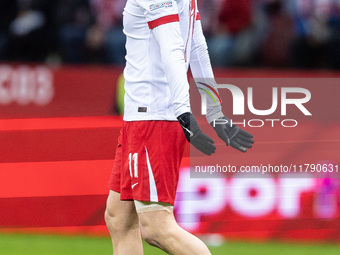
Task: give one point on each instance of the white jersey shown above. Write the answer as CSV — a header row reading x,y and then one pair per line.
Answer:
x,y
159,45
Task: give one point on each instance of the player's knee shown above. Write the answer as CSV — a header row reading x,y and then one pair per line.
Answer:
x,y
110,219
151,235
119,223
156,234
113,222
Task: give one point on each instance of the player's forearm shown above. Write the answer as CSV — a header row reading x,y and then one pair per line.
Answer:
x,y
172,53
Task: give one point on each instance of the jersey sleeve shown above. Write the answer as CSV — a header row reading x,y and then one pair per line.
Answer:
x,y
158,12
170,41
202,73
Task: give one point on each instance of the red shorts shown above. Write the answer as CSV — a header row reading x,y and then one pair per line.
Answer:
x,y
147,161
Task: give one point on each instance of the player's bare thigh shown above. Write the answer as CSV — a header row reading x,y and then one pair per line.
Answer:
x,y
159,228
156,222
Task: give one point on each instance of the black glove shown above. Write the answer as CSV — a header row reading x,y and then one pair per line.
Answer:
x,y
232,134
195,135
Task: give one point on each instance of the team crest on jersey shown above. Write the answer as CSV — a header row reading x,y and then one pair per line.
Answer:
x,y
164,4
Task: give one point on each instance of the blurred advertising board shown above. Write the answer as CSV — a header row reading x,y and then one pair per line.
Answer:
x,y
58,139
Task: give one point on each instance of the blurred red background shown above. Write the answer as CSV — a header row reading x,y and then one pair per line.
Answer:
x,y
58,132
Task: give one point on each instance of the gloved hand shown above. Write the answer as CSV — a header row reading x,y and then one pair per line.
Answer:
x,y
195,135
232,134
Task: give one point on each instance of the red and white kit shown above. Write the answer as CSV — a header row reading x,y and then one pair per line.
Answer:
x,y
147,160
163,39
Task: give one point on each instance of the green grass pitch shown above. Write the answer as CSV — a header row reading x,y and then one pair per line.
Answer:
x,y
24,244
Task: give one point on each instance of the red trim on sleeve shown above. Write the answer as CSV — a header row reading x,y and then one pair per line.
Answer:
x,y
198,16
163,20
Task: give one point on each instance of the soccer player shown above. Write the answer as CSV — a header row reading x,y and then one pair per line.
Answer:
x,y
163,39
